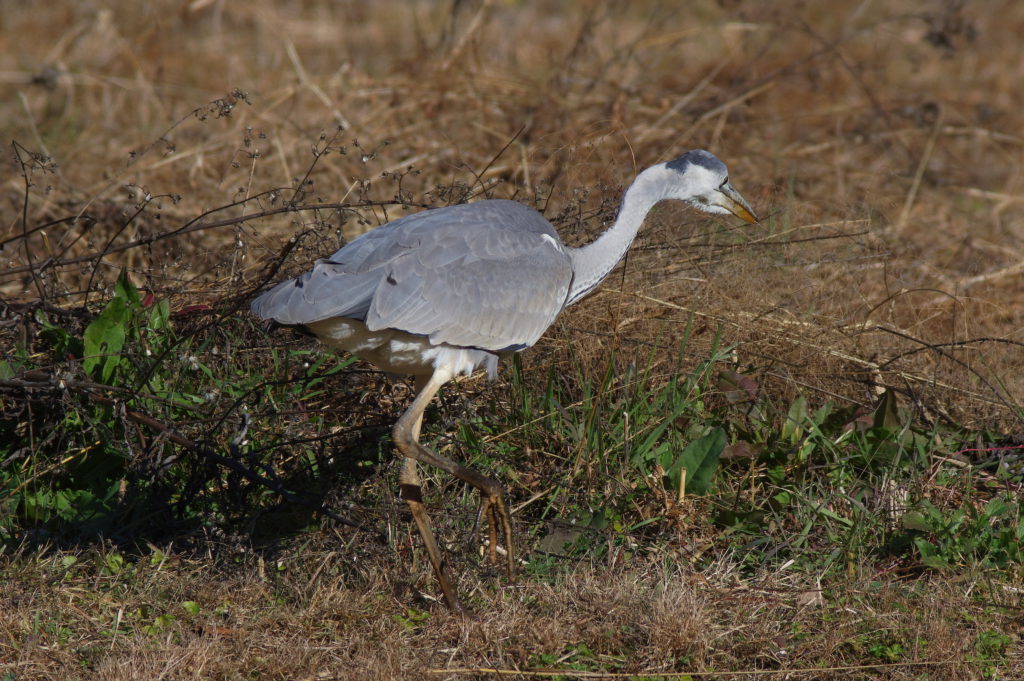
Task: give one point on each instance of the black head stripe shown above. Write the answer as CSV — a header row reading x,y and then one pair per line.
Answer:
x,y
697,157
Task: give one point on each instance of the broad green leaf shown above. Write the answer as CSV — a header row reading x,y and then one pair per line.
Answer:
x,y
915,520
124,288
793,428
930,554
700,459
159,314
886,415
104,339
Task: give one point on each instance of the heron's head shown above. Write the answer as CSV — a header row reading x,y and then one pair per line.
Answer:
x,y
700,179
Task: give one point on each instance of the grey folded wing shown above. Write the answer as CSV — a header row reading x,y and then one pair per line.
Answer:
x,y
491,275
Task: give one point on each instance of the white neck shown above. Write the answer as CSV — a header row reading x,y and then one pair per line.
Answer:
x,y
593,262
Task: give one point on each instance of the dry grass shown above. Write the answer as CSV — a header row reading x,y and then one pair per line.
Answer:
x,y
880,140
298,618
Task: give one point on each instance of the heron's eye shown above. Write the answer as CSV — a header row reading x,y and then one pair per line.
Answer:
x,y
725,183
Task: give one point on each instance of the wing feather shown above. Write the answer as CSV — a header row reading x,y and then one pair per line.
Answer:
x,y
491,275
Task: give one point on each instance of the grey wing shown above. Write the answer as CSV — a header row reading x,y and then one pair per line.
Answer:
x,y
343,284
491,275
340,286
327,291
494,303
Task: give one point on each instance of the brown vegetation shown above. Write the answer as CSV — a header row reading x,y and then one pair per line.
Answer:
x,y
879,141
285,620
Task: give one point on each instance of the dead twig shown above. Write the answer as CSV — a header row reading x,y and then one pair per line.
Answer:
x,y
35,380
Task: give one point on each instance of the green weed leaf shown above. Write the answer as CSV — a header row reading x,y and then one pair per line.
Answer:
x,y
886,414
104,340
700,459
793,428
916,520
125,289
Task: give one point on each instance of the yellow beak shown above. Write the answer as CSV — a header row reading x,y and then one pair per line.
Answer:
x,y
736,204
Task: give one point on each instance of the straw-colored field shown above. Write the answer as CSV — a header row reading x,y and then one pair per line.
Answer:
x,y
211,147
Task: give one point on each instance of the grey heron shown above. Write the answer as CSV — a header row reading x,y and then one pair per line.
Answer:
x,y
447,291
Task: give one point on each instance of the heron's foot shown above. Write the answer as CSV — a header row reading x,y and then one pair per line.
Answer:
x,y
492,506
413,497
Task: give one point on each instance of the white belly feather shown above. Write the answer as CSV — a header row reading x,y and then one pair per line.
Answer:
x,y
399,352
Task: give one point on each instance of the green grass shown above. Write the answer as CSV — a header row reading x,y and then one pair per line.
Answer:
x,y
134,422
641,457
646,466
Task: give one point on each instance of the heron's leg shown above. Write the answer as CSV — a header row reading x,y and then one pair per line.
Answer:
x,y
493,502
412,492
406,438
